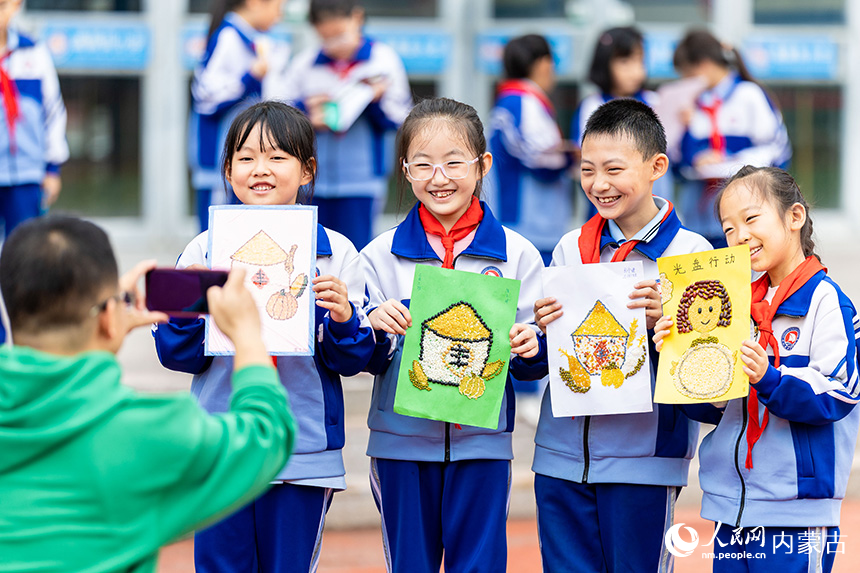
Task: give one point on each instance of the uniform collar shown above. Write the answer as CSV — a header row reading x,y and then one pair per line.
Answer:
x,y
655,237
245,30
15,40
798,303
722,90
362,55
410,239
323,242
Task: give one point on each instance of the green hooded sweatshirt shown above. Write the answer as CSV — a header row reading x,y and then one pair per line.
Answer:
x,y
95,477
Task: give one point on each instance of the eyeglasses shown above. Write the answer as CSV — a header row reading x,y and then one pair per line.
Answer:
x,y
422,171
125,297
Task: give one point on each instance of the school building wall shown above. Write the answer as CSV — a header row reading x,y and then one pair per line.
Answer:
x,y
125,70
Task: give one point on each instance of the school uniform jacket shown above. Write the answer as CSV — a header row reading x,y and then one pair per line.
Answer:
x,y
389,266
531,172
312,382
39,145
802,460
354,163
651,448
222,88
748,120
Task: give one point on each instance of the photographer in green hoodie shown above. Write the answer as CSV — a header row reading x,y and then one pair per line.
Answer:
x,y
95,477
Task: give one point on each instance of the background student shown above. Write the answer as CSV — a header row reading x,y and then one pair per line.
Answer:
x,y
734,122
355,91
227,80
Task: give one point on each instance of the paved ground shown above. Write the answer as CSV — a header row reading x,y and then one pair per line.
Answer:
x,y
352,542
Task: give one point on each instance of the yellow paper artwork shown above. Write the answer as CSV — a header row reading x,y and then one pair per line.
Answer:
x,y
708,295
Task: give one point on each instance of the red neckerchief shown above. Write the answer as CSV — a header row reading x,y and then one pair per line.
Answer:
x,y
718,141
467,223
762,313
520,87
589,240
10,100
342,68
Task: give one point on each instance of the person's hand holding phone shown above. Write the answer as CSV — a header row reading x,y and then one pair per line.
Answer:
x,y
137,314
233,309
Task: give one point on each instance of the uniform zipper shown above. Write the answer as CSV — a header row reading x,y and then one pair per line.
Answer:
x,y
738,465
447,441
585,449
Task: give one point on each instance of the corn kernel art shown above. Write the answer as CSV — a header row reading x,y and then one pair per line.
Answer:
x,y
602,347
709,301
454,361
599,364
276,246
455,347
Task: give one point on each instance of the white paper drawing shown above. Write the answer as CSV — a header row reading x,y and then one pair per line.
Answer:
x,y
598,350
277,248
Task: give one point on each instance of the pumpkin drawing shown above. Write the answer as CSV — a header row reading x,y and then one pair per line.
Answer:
x,y
282,305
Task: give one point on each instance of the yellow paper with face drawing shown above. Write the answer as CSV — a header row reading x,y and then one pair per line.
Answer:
x,y
708,296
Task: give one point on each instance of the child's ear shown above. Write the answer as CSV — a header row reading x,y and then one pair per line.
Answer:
x,y
308,171
796,217
659,166
486,163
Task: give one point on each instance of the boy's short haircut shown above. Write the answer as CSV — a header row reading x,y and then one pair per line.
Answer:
x,y
53,271
631,118
321,10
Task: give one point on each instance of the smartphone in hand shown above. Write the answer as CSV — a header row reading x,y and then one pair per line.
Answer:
x,y
181,292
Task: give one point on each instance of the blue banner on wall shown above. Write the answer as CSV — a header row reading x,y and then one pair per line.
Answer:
x,y
659,48
490,45
792,58
422,52
194,41
98,45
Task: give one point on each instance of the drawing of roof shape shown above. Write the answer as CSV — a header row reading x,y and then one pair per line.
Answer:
x,y
600,322
260,250
458,322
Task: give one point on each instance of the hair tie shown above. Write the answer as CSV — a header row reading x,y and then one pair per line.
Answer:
x,y
606,39
729,54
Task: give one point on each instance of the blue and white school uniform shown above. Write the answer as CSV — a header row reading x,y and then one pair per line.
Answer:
x,y
37,144
222,88
606,485
803,458
752,132
352,166
282,530
663,187
428,477
531,188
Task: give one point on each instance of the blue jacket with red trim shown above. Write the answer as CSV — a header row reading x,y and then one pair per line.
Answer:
x,y
389,266
650,448
803,458
312,382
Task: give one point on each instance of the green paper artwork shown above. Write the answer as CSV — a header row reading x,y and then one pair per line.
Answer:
x,y
455,356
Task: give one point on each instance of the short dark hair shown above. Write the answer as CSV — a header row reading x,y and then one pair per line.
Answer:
x,y
53,271
321,10
282,127
460,116
613,43
521,53
632,118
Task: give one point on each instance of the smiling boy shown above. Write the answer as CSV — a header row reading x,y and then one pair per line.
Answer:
x,y
606,485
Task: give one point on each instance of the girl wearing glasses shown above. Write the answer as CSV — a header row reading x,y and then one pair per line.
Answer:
x,y
355,92
428,477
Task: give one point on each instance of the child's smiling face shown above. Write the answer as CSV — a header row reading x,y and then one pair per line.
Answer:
x,y
447,199
704,314
618,180
263,174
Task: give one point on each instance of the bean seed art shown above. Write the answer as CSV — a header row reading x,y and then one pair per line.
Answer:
x,y
455,356
708,295
277,248
598,351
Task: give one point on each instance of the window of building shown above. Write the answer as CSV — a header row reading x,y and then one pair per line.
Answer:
x,y
680,11
802,12
529,8
75,5
102,176
813,117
